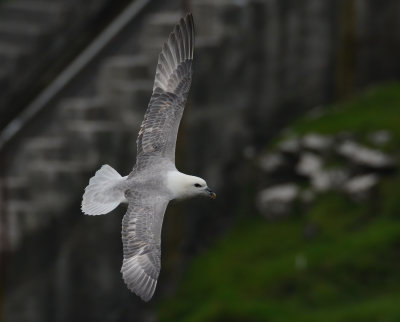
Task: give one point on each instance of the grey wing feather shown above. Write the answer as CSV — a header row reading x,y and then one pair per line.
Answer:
x,y
174,61
141,238
157,135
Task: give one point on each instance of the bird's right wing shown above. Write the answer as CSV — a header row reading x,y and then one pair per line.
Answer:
x,y
157,135
141,238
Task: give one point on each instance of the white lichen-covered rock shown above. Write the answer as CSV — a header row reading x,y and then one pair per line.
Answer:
x,y
359,187
317,142
271,162
305,158
326,180
278,200
290,146
309,164
364,156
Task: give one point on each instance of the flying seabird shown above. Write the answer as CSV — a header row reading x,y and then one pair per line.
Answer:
x,y
154,180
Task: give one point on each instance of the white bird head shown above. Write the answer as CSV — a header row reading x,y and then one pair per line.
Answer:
x,y
185,186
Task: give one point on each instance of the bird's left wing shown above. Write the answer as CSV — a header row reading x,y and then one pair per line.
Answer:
x,y
141,238
157,135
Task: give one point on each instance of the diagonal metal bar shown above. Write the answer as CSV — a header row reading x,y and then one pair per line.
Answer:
x,y
72,70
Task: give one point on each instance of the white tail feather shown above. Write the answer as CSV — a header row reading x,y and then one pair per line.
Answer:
x,y
104,192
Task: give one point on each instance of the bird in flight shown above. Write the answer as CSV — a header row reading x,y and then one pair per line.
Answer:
x,y
154,180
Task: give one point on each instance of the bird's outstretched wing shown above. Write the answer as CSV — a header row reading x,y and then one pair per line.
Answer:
x,y
157,135
141,238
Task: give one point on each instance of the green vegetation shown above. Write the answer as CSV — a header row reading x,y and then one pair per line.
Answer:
x,y
377,109
347,269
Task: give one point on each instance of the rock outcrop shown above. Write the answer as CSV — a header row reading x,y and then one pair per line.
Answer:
x,y
320,164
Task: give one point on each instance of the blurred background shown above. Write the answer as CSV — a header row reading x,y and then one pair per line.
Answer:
x,y
293,119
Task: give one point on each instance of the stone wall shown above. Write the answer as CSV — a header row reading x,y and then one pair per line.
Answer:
x,y
38,38
258,64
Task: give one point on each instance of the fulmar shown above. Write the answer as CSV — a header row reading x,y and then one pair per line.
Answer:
x,y
154,180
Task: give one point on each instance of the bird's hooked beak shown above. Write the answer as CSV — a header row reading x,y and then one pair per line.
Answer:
x,y
210,193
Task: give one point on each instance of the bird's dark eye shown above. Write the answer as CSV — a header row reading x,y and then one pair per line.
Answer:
x,y
197,185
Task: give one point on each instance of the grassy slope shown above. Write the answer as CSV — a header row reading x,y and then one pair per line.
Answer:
x,y
350,270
